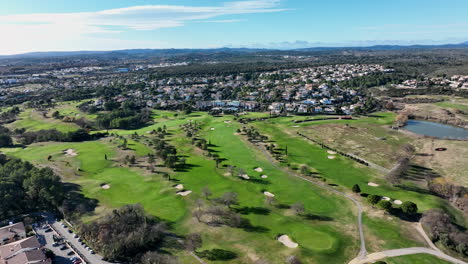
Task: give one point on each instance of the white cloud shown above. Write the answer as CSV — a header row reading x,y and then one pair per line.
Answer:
x,y
68,31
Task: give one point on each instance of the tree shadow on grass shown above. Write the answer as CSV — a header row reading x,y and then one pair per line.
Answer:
x,y
75,201
185,167
253,210
310,216
405,217
247,226
260,181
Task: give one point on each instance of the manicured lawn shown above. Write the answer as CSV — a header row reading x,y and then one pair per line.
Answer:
x,y
127,185
331,239
32,120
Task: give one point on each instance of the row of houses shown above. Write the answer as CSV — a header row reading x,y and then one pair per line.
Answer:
x,y
17,248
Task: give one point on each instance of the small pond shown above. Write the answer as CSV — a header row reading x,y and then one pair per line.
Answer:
x,y
436,129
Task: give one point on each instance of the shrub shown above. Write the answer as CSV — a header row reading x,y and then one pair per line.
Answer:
x,y
373,199
384,205
409,208
356,188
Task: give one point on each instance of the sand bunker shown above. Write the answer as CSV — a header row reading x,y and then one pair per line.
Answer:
x,y
245,177
212,128
372,184
331,152
184,193
105,186
258,169
179,187
264,176
331,157
227,121
294,126
287,241
269,194
386,198
397,202
70,152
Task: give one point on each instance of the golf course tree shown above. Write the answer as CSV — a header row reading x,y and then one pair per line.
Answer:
x,y
125,233
206,192
409,208
228,199
373,199
298,208
356,188
5,140
384,205
25,188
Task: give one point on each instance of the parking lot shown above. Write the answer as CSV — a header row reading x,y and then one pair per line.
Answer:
x,y
64,254
74,242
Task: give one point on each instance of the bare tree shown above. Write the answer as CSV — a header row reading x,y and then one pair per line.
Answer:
x,y
206,192
298,208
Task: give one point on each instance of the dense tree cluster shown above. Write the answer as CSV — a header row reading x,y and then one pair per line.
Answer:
x,y
5,138
441,228
9,115
126,234
25,188
55,135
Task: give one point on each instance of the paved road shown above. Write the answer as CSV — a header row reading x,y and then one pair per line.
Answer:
x,y
362,251
57,226
433,250
402,252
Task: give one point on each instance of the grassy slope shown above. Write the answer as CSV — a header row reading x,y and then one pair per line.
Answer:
x,y
32,120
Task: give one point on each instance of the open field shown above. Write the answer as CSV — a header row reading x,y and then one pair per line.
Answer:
x,y
33,120
326,234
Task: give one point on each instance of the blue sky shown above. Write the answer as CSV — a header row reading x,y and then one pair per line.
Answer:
x,y
60,25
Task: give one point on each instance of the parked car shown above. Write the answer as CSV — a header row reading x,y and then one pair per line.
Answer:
x,y
75,236
55,244
71,253
64,247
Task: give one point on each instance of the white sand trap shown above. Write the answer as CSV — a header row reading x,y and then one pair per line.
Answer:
x,y
227,121
264,176
245,177
397,202
184,193
294,126
331,157
105,186
179,187
287,241
70,152
269,194
258,169
372,184
386,198
331,152
212,128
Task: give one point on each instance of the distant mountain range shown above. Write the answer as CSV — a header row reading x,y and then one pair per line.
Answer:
x,y
169,52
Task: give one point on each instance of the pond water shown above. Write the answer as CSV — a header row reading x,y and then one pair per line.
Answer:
x,y
436,129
